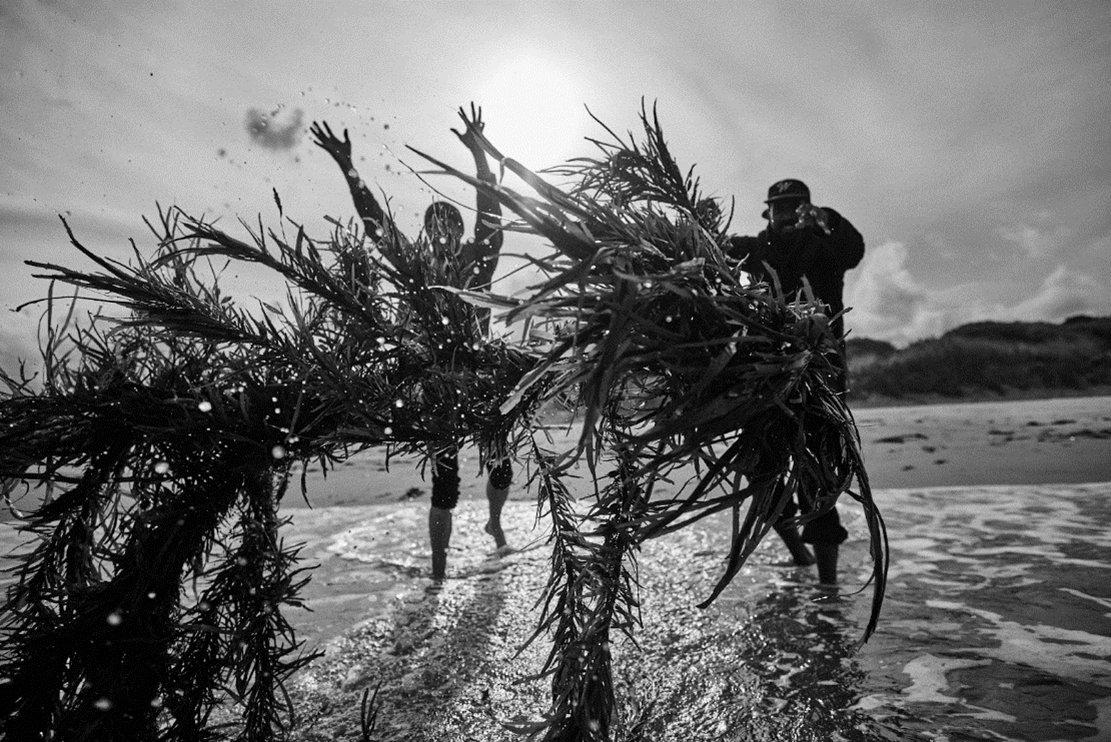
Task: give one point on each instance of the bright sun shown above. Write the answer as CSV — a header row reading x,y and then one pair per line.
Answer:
x,y
534,109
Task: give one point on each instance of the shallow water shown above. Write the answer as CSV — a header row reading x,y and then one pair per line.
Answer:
x,y
998,612
996,626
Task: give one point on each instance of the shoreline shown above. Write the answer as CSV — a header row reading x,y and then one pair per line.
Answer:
x,y
1024,442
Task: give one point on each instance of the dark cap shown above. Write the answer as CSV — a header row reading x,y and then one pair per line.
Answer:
x,y
789,188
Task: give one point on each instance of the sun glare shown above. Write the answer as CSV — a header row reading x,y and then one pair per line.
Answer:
x,y
534,109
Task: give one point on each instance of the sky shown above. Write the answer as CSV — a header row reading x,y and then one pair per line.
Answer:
x,y
969,142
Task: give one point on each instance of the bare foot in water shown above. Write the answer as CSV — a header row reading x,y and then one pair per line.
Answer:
x,y
494,529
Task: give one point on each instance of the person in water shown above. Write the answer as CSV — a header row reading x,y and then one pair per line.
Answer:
x,y
477,260
813,244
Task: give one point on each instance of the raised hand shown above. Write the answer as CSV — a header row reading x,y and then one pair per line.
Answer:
x,y
474,124
330,143
812,216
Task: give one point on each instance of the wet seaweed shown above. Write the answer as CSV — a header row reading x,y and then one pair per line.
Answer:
x,y
676,359
168,435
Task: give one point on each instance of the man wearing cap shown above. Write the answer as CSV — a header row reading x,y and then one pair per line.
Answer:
x,y
816,243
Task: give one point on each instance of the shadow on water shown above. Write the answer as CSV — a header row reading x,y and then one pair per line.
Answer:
x,y
441,652
770,668
994,628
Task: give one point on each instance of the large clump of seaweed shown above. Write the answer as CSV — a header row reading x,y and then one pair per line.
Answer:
x,y
166,437
683,368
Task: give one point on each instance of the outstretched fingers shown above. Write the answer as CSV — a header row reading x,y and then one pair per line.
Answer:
x,y
474,125
475,119
325,138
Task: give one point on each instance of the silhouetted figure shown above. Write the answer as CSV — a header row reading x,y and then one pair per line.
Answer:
x,y
816,243
478,260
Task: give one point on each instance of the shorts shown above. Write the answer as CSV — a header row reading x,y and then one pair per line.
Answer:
x,y
824,529
501,475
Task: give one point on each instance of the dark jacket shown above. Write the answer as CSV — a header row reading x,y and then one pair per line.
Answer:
x,y
821,258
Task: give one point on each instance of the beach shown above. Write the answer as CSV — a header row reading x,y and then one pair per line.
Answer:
x,y
996,625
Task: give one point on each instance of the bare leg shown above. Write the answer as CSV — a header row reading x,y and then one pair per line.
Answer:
x,y
439,534
799,553
827,563
496,498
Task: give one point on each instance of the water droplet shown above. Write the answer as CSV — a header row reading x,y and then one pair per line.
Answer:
x,y
241,561
388,430
398,403
152,595
161,467
205,406
114,618
444,321
103,704
277,452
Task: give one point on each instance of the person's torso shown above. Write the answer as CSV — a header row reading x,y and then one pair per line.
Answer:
x,y
795,256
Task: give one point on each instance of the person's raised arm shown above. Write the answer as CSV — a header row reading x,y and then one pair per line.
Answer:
x,y
846,244
374,218
487,231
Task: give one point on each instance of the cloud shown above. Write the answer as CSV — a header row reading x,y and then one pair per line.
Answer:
x,y
1036,242
1064,293
889,303
274,130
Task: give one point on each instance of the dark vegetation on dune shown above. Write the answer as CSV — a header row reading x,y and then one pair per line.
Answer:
x,y
985,360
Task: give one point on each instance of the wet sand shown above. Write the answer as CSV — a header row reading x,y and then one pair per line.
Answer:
x,y
1055,441
999,595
